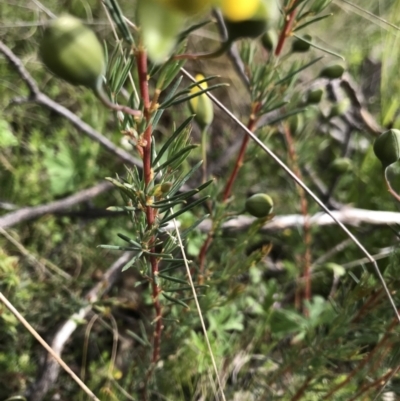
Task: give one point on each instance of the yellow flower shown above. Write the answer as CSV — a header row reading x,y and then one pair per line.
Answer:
x,y
239,10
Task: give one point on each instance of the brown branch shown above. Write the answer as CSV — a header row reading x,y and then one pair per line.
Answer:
x,y
36,96
347,215
50,368
30,213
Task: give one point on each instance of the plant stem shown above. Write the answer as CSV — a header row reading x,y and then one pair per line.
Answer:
x,y
141,60
239,161
286,28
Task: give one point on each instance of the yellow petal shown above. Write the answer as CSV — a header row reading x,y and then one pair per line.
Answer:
x,y
239,10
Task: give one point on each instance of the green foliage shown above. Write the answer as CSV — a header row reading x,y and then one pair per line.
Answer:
x,y
280,325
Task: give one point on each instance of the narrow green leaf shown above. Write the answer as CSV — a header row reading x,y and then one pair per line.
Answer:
x,y
177,289
129,240
175,157
131,262
312,22
174,279
173,137
292,74
179,182
138,339
184,209
285,116
174,300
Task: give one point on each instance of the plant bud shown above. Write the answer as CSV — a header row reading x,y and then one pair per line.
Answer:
x,y
341,165
332,71
301,46
296,123
201,105
314,96
387,147
160,26
259,205
269,40
340,108
71,51
265,16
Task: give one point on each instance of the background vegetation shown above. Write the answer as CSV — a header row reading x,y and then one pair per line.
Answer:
x,y
273,335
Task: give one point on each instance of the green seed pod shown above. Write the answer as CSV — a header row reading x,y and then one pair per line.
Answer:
x,y
259,205
202,105
301,46
341,165
71,51
340,108
160,26
314,96
296,123
269,40
387,147
254,27
332,71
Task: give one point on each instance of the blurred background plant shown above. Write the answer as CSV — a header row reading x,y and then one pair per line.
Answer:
x,y
291,306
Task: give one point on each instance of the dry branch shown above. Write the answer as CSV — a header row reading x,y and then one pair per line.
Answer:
x,y
347,215
34,212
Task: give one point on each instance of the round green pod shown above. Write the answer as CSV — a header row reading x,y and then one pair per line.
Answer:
x,y
301,46
259,205
387,147
71,51
341,165
314,96
340,108
332,71
202,105
269,40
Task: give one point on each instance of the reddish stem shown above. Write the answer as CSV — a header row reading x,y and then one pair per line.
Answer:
x,y
141,61
286,28
239,161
